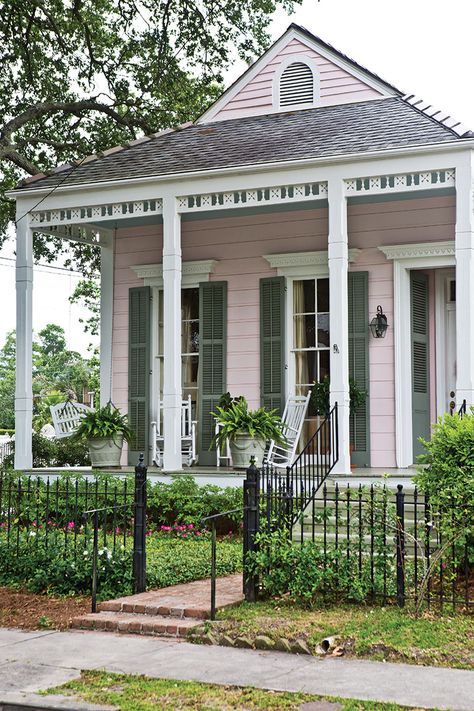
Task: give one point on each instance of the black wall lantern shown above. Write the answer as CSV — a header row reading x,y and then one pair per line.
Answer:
x,y
379,324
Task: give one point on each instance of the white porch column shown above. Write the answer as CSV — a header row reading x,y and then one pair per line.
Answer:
x,y
464,248
106,316
24,330
172,395
338,316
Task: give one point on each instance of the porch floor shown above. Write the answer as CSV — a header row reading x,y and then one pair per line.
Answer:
x,y
227,476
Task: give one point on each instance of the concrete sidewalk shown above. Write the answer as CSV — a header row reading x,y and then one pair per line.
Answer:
x,y
30,661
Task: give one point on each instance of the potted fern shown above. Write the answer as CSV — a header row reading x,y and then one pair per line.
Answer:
x,y
247,430
104,430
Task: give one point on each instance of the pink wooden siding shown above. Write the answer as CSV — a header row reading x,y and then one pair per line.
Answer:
x,y
337,86
376,224
238,244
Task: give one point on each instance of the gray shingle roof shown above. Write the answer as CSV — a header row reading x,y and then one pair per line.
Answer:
x,y
312,133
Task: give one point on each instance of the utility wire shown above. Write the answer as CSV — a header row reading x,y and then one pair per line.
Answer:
x,y
47,266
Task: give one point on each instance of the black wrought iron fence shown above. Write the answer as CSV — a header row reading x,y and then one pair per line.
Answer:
x,y
373,543
42,511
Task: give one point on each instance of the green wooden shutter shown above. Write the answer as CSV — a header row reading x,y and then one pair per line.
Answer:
x,y
359,364
272,343
212,361
420,359
139,299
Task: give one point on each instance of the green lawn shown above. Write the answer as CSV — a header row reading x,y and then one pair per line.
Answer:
x,y
376,632
134,693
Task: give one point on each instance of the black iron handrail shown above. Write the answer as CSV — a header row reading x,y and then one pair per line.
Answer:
x,y
213,519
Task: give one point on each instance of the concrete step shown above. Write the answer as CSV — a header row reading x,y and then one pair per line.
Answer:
x,y
131,623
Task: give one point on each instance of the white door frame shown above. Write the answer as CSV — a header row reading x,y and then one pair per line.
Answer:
x,y
428,255
441,277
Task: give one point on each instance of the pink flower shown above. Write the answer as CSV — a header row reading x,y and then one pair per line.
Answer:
x,y
166,528
70,525
117,530
191,525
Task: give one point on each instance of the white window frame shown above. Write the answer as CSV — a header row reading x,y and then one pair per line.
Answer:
x,y
296,266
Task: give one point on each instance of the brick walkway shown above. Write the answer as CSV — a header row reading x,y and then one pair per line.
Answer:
x,y
166,612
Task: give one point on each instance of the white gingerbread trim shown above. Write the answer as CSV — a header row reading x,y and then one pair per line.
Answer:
x,y
95,213
296,264
419,250
276,195
193,273
400,183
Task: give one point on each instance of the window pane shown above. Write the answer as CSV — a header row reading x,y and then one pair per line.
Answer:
x,y
190,337
323,330
306,369
323,365
323,295
304,331
190,304
303,296
190,371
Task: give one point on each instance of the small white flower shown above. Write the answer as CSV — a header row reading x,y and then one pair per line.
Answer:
x,y
32,534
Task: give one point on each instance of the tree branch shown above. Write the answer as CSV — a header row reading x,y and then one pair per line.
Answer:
x,y
70,107
8,152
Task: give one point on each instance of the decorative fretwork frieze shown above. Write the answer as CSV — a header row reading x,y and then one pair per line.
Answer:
x,y
402,182
96,213
250,198
73,233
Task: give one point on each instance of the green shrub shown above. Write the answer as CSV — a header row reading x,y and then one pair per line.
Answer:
x,y
54,453
307,574
448,478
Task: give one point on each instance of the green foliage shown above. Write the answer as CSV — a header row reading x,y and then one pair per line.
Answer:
x,y
54,453
237,419
319,400
58,373
226,400
308,573
57,570
448,478
184,501
106,421
80,77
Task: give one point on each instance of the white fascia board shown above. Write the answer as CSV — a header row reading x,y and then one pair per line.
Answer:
x,y
296,264
271,53
354,163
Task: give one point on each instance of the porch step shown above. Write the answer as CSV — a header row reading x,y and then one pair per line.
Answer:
x,y
131,623
168,612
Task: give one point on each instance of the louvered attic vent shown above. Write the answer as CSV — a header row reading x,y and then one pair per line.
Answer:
x,y
296,85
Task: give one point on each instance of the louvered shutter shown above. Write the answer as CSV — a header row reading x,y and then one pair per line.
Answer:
x,y
296,85
212,361
139,371
272,343
359,364
420,359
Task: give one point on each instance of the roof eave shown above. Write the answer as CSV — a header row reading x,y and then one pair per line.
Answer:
x,y
457,145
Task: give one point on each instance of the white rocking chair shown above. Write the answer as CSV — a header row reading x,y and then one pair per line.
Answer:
x,y
188,435
67,416
283,455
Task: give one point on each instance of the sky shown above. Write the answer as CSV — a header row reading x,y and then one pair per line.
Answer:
x,y
423,47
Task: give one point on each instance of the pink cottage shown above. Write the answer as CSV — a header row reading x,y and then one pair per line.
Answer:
x,y
250,251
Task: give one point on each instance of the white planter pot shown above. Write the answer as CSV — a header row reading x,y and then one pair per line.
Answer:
x,y
105,451
243,447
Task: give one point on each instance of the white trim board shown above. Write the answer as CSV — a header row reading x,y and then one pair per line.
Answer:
x,y
192,274
301,264
428,255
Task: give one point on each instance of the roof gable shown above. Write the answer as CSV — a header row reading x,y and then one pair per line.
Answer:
x,y
338,79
